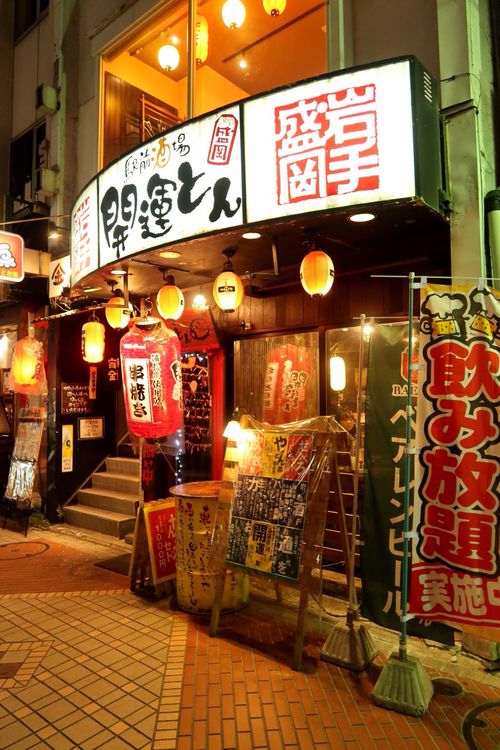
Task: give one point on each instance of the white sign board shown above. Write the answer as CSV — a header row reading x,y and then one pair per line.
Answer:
x,y
333,142
184,183
84,234
59,276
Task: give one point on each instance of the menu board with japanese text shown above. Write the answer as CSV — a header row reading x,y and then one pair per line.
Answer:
x,y
270,499
159,518
75,398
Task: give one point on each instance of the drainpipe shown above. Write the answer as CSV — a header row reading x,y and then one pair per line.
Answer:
x,y
464,34
192,9
339,38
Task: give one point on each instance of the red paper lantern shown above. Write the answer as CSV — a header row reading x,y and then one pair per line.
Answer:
x,y
287,385
152,382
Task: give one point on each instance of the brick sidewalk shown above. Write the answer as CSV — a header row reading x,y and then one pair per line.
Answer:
x,y
107,670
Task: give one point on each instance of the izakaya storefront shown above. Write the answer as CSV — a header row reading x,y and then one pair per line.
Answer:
x,y
296,166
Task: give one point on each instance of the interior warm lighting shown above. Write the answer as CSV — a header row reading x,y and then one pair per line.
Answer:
x,y
317,273
232,431
201,46
170,300
233,13
169,57
337,373
170,254
228,289
93,337
117,314
118,272
274,7
361,218
243,63
367,329
251,235
54,232
199,303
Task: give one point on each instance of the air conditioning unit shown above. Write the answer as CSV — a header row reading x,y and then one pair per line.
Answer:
x,y
46,99
45,182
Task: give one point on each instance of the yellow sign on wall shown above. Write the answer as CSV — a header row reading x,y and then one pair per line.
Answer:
x,y
67,448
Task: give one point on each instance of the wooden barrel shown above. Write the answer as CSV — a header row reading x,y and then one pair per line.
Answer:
x,y
196,511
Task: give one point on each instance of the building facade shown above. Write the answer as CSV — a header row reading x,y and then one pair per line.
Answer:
x,y
86,83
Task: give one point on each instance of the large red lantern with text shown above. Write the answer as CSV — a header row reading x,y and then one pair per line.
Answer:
x,y
288,380
152,385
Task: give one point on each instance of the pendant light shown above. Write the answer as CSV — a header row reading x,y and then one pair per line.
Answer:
x,y
228,289
169,57
233,13
199,302
317,273
170,299
117,314
274,7
201,40
93,336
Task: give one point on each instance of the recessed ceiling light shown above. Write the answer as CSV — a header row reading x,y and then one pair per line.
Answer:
x,y
251,235
170,254
118,272
360,218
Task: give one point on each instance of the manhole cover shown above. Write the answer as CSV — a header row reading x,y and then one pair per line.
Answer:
x,y
22,549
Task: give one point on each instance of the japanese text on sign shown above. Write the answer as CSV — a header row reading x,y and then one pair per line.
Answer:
x,y
456,575
327,145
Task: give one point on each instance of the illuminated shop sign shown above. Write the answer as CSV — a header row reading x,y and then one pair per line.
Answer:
x,y
11,257
353,138
330,143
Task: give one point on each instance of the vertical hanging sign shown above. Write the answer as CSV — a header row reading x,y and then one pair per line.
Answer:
x,y
456,562
67,448
92,382
384,484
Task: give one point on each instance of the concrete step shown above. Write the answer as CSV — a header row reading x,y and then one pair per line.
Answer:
x,y
117,482
123,465
117,502
103,521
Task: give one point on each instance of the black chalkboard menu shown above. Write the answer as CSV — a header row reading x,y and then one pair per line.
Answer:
x,y
270,499
75,398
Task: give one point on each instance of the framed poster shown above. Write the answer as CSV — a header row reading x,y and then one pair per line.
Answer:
x,y
90,428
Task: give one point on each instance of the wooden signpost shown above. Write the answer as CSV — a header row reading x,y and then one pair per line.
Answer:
x,y
276,489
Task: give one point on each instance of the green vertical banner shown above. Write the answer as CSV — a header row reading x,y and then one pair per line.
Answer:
x,y
384,482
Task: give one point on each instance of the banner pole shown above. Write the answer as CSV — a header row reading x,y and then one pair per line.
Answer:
x,y
406,505
403,684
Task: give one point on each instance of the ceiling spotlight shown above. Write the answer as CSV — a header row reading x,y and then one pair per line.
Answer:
x,y
243,63
118,272
170,254
251,235
361,218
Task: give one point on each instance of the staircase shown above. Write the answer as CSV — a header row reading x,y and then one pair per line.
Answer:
x,y
109,504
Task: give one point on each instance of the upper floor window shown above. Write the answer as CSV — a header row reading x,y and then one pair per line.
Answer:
x,y
27,13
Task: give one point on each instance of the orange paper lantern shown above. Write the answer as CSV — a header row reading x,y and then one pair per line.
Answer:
x,y
317,273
